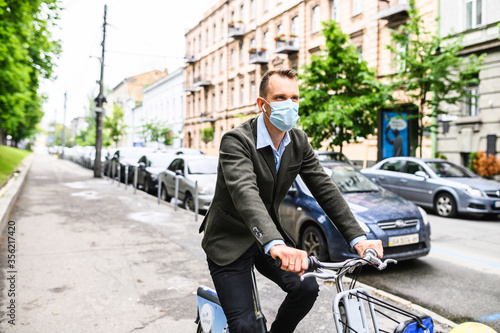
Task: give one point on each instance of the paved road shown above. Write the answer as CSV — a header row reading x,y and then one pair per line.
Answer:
x,y
91,256
460,279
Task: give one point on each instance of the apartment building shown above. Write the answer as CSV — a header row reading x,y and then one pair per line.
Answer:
x,y
237,41
475,124
128,95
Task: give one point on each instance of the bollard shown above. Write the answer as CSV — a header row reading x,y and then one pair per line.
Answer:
x,y
113,170
159,190
135,179
119,174
126,177
176,192
196,201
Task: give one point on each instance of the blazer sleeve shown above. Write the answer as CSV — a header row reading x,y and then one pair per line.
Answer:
x,y
328,195
235,157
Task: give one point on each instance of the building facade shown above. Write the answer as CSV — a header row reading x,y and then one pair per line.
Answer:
x,y
237,41
128,95
475,124
163,102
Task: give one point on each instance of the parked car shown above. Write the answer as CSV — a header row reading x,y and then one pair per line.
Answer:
x,y
148,168
332,156
402,227
444,186
191,168
127,157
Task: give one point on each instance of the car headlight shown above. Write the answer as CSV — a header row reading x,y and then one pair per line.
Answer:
x,y
473,192
364,226
425,217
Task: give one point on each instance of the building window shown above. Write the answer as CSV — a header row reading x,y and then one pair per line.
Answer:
x,y
295,26
221,99
471,107
252,90
222,29
400,62
265,43
279,30
252,9
315,19
206,38
233,57
242,52
357,7
221,69
242,94
473,13
359,51
242,12
266,5
232,97
213,66
213,102
252,43
215,32
336,10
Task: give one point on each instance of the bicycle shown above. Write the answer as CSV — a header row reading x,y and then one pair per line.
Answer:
x,y
348,305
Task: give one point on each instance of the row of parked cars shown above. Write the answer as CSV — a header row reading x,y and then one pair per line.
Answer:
x,y
384,212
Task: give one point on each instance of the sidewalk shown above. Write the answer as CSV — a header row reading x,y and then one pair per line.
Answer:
x,y
92,256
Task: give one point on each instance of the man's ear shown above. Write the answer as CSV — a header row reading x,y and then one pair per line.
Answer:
x,y
260,104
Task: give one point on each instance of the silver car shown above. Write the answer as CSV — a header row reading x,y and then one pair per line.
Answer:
x,y
444,186
189,169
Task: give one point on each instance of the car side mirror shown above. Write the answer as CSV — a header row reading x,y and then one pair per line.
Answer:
x,y
421,174
142,165
179,173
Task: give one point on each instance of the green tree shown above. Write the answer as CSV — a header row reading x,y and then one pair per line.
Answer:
x,y
341,95
115,124
27,53
431,71
207,134
156,131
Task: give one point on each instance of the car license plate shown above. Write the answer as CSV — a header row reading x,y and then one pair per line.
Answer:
x,y
403,240
497,204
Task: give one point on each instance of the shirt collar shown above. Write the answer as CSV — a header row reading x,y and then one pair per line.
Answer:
x,y
263,137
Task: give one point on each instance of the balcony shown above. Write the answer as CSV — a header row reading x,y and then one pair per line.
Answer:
x,y
236,30
190,59
190,90
287,44
200,82
207,117
396,11
258,56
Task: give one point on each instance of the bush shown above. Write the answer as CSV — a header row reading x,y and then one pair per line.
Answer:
x,y
486,165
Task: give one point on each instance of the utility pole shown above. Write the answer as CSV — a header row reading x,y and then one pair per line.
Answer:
x,y
99,110
63,135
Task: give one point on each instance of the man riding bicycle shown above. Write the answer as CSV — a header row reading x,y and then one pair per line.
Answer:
x,y
258,162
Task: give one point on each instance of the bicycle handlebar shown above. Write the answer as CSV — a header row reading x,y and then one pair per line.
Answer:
x,y
316,267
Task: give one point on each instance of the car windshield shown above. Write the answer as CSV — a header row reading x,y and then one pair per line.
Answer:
x,y
446,170
202,167
332,157
347,179
160,160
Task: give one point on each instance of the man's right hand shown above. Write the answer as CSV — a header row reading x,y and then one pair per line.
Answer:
x,y
292,259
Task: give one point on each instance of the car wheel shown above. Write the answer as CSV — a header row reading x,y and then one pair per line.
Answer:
x,y
164,194
313,242
445,205
189,202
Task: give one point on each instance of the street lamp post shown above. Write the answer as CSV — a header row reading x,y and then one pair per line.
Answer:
x,y
99,110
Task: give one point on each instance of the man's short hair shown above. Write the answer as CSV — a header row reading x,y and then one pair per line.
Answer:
x,y
283,72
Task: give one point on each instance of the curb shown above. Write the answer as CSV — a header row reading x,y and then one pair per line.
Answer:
x,y
402,301
12,190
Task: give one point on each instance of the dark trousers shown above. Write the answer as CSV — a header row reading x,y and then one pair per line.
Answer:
x,y
234,288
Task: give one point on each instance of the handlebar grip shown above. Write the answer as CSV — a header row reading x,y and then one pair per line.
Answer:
x,y
313,263
370,252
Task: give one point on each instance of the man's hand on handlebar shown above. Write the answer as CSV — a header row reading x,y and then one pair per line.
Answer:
x,y
375,244
292,259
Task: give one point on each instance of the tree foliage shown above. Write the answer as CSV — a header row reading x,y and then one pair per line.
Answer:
x,y
485,165
27,53
207,134
341,95
156,131
115,125
428,63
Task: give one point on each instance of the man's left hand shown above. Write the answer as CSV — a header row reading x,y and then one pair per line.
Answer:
x,y
375,244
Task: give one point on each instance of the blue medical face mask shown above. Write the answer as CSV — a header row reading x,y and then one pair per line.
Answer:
x,y
284,114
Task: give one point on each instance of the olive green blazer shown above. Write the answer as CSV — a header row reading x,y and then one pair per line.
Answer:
x,y
248,194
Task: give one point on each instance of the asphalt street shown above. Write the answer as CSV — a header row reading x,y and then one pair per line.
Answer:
x,y
93,256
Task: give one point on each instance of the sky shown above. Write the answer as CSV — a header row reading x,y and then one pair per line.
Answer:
x,y
141,35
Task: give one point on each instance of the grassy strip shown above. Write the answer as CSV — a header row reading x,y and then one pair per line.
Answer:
x,y
9,160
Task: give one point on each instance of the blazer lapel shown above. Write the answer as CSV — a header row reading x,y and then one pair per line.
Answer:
x,y
266,152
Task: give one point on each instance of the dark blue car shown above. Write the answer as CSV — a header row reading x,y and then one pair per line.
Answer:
x,y
402,226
